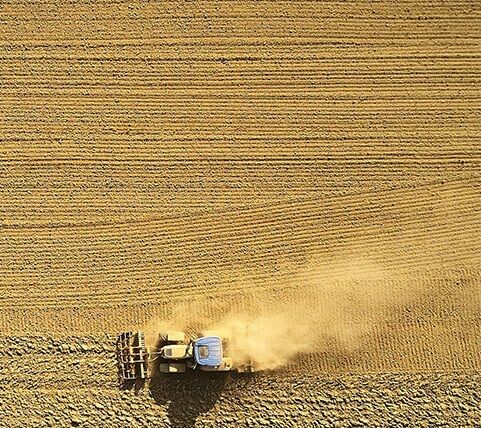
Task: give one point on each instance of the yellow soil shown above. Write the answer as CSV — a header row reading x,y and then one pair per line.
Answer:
x,y
314,162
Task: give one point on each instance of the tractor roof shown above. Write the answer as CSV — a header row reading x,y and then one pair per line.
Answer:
x,y
208,351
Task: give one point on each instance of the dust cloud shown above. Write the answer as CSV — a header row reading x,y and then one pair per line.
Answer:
x,y
315,312
266,342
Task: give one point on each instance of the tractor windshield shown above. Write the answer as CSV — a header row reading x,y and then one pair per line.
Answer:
x,y
208,351
203,351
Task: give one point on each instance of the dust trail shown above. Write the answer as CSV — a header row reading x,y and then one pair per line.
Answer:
x,y
318,311
268,341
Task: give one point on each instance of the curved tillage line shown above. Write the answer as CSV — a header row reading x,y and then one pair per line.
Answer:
x,y
253,30
369,204
261,240
165,293
245,75
244,228
164,289
161,285
284,283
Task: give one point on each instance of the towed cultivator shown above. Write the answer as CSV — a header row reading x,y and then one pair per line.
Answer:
x,y
132,355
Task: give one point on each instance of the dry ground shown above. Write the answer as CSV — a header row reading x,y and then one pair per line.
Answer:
x,y
188,160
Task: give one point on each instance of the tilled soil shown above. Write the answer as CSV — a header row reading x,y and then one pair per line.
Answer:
x,y
316,162
72,382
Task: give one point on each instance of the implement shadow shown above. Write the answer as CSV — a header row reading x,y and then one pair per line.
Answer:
x,y
135,385
188,394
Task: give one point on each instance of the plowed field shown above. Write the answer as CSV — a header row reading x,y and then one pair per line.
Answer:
x,y
315,164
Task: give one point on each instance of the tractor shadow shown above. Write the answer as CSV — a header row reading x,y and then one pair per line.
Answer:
x,y
187,395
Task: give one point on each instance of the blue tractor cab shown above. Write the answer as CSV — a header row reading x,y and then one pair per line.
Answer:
x,y
208,351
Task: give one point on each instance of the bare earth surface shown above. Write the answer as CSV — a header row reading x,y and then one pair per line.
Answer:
x,y
313,163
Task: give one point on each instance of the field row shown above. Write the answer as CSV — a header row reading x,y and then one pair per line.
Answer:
x,y
454,64
135,10
285,114
264,79
299,206
303,162
248,153
208,31
134,279
339,51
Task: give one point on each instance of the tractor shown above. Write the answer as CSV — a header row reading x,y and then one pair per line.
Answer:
x,y
174,353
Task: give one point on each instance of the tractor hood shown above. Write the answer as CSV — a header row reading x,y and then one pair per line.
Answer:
x,y
208,351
